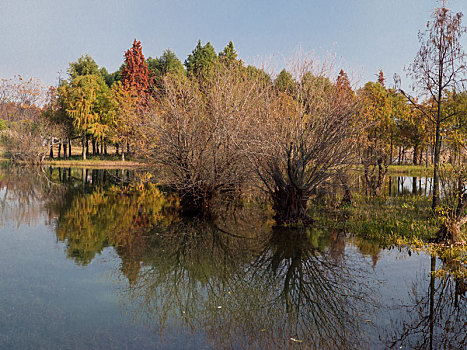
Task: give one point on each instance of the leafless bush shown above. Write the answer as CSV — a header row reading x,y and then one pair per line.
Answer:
x,y
29,141
194,130
297,143
21,98
210,136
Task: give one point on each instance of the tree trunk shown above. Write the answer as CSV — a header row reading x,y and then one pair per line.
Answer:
x,y
435,202
116,149
450,231
347,198
69,148
290,205
415,153
59,150
390,153
51,154
196,201
87,146
93,147
65,149
375,174
84,141
105,148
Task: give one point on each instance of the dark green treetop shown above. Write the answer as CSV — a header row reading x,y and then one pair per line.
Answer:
x,y
201,60
229,53
285,82
167,63
84,66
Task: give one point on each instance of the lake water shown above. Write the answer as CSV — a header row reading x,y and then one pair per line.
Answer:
x,y
89,261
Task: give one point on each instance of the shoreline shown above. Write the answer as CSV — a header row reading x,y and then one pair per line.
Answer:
x,y
393,170
404,170
95,164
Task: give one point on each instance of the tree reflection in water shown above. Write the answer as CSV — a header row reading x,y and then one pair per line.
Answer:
x,y
255,288
119,217
436,317
28,194
234,280
313,296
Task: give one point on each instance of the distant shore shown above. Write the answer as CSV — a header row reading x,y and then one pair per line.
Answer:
x,y
114,162
405,170
93,163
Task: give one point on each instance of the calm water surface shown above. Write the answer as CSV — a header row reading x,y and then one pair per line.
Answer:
x,y
88,260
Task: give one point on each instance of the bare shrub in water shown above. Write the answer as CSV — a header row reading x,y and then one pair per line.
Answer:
x,y
300,141
194,130
210,135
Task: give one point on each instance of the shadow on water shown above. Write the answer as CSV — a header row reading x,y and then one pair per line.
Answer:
x,y
233,281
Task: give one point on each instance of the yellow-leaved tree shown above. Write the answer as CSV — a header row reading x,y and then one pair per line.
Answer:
x,y
375,110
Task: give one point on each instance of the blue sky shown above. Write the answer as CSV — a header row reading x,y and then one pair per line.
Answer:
x,y
40,37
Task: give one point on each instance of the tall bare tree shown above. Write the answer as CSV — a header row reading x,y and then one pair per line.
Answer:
x,y
439,66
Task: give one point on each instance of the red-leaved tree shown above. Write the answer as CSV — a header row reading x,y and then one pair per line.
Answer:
x,y
136,76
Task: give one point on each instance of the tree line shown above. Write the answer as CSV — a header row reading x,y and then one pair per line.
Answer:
x,y
215,126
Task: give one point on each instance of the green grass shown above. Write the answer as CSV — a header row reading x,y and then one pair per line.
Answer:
x,y
411,170
407,170
386,220
391,218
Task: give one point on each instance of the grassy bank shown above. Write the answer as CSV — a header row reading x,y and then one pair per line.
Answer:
x,y
385,220
109,161
404,170
388,219
116,162
411,170
95,163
